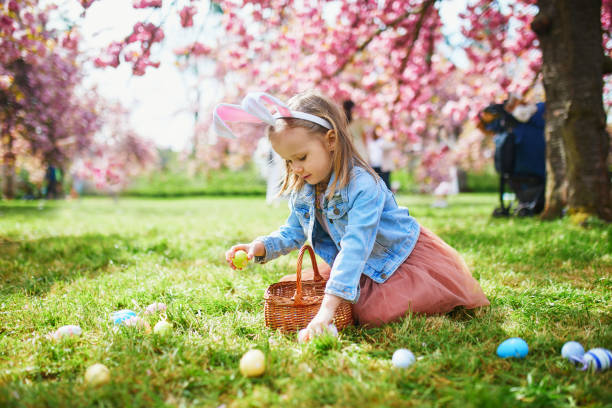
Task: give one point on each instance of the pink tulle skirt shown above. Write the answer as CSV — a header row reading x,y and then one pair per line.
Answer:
x,y
434,279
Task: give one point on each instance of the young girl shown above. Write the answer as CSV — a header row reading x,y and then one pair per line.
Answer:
x,y
381,259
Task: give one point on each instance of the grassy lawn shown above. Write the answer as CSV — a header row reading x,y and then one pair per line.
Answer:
x,y
75,262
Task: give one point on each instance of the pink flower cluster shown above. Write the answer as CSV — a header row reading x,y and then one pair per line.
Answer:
x,y
388,57
49,116
136,49
39,79
138,4
186,15
112,162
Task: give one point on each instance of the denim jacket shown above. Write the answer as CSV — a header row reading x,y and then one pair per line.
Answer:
x,y
368,232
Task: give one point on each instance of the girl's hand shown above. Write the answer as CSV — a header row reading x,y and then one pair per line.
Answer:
x,y
255,248
324,317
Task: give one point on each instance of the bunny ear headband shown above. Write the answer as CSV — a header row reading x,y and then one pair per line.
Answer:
x,y
253,110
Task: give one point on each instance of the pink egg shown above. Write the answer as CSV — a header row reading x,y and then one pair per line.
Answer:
x,y
67,331
138,323
155,307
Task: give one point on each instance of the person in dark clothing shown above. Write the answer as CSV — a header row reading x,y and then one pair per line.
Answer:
x,y
52,182
520,152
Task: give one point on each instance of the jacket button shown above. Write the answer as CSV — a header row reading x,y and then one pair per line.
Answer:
x,y
336,211
307,215
383,275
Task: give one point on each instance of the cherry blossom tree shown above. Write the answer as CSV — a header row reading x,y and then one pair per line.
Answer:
x,y
42,113
117,155
47,117
388,57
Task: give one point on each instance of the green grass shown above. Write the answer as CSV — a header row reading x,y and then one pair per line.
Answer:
x,y
75,262
225,182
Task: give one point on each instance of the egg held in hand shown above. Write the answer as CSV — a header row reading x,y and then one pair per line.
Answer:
x,y
240,259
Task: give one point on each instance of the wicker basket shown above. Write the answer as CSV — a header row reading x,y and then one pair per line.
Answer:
x,y
290,306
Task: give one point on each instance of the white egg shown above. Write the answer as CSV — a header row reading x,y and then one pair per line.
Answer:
x,y
331,329
67,331
572,350
162,328
303,334
96,375
253,363
402,358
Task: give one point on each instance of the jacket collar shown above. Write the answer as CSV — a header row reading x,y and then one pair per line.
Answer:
x,y
307,193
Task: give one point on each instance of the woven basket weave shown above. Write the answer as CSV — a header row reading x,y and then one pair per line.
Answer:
x,y
290,306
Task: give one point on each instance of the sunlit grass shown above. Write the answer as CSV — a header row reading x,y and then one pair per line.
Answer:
x,y
75,262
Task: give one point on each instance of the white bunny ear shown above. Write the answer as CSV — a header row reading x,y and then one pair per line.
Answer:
x,y
254,110
224,113
253,103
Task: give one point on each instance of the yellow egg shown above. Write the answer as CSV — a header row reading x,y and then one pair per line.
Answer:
x,y
253,363
96,375
163,328
241,259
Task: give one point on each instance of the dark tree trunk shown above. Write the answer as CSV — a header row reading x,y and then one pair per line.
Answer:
x,y
576,139
8,166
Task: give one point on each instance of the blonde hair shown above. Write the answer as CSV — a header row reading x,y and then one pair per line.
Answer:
x,y
344,157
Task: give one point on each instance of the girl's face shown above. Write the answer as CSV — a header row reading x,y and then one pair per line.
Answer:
x,y
309,156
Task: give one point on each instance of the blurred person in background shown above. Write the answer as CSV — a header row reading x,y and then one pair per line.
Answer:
x,y
272,169
358,128
380,155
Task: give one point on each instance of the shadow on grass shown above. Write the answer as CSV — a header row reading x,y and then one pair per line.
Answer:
x,y
27,209
34,266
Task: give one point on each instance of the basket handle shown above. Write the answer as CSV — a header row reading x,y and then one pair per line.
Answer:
x,y
297,297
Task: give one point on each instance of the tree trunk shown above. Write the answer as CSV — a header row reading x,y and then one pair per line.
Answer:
x,y
576,139
8,166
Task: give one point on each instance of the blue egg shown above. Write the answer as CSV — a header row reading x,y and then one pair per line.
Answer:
x,y
513,347
572,350
120,316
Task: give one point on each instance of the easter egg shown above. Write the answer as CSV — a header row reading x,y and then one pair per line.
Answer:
x,y
67,331
303,334
138,323
240,259
513,347
253,363
598,359
572,350
96,375
118,317
331,329
162,328
155,307
402,358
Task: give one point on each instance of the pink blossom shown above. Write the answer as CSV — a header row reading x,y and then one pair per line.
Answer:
x,y
186,15
137,4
